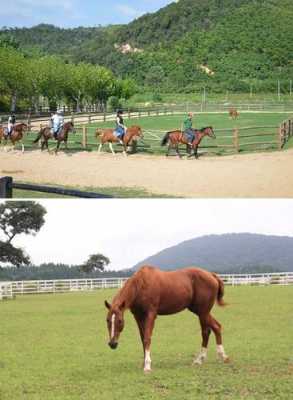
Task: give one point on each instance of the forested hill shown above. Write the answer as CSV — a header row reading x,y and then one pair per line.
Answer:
x,y
244,42
230,253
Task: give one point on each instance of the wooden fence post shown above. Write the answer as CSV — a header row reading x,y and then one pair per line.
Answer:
x,y
89,118
6,187
280,138
104,117
84,136
129,114
236,139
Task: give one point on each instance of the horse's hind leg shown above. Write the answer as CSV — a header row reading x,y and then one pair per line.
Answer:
x,y
205,332
177,151
217,329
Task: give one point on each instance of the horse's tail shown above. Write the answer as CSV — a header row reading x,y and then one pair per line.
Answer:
x,y
165,139
39,136
220,294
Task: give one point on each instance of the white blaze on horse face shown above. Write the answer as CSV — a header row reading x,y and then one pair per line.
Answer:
x,y
221,353
147,361
113,326
201,357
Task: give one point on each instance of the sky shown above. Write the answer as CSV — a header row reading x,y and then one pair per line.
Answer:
x,y
73,13
127,231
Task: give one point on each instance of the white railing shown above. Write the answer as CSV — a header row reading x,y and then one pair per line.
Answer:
x,y
76,285
6,290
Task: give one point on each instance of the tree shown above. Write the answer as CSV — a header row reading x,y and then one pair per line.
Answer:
x,y
16,218
95,262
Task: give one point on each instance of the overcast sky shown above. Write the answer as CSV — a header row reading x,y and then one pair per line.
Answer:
x,y
72,13
127,231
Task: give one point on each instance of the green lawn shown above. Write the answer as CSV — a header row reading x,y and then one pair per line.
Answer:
x,y
264,123
54,347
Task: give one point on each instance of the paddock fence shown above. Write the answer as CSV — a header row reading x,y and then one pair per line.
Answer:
x,y
85,285
8,185
6,290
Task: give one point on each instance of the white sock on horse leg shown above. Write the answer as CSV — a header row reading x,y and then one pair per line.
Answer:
x,y
201,356
221,352
147,361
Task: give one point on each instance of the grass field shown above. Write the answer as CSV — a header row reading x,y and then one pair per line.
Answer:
x,y
54,347
164,123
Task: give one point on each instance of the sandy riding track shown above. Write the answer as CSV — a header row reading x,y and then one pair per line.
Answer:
x,y
251,175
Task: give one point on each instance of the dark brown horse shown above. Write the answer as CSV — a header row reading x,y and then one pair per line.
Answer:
x,y
15,136
233,113
151,292
45,134
133,133
174,138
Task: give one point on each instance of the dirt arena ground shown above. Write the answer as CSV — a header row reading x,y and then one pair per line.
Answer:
x,y
250,175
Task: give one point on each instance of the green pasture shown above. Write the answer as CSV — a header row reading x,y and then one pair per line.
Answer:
x,y
154,128
54,347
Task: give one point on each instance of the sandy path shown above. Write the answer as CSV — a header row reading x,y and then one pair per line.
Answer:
x,y
252,175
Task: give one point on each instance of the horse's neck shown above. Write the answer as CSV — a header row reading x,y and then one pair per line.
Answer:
x,y
126,295
199,137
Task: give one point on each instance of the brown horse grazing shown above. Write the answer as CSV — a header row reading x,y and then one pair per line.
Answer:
x,y
151,292
15,136
133,133
45,134
233,113
176,137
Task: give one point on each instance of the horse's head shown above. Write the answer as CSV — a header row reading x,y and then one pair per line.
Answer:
x,y
208,131
69,127
115,323
136,131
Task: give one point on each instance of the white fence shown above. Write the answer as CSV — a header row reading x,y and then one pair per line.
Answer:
x,y
76,285
6,290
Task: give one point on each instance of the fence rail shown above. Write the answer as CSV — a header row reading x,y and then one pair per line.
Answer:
x,y
77,285
7,185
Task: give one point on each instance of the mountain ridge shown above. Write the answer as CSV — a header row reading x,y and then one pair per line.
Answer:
x,y
231,253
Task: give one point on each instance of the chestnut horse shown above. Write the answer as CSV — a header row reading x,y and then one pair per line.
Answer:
x,y
174,138
107,135
151,292
233,113
45,134
15,136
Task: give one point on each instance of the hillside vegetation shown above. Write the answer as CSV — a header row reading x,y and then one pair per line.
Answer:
x,y
235,253
246,43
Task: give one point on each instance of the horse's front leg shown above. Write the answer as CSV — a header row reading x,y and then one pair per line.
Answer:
x,y
100,148
111,148
195,151
149,323
22,147
57,147
177,150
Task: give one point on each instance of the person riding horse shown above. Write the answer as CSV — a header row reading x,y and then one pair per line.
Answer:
x,y
56,123
121,129
188,130
10,124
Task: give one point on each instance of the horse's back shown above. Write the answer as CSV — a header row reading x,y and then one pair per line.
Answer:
x,y
172,291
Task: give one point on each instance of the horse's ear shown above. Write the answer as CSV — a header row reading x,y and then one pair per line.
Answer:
x,y
107,305
122,305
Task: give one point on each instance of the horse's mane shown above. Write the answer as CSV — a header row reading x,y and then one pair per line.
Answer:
x,y
205,127
128,292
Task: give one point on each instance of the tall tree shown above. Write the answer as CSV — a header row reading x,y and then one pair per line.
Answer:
x,y
95,262
16,218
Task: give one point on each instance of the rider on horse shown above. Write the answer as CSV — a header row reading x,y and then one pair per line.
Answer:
x,y
120,127
10,124
188,130
56,123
